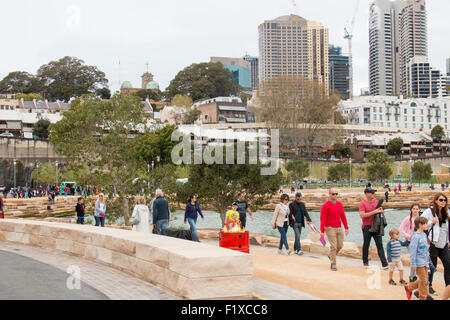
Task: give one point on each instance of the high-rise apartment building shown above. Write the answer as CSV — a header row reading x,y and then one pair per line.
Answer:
x,y
254,62
384,55
291,45
448,66
397,33
424,81
240,68
339,72
413,36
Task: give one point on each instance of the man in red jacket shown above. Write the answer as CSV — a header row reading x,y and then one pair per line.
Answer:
x,y
332,216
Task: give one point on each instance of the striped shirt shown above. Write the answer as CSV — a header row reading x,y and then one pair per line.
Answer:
x,y
394,248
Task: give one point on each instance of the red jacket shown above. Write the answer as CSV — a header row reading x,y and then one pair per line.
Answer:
x,y
331,215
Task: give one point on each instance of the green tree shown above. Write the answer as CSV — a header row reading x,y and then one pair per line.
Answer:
x,y
99,133
421,171
339,118
438,134
203,81
219,184
395,146
103,93
298,169
379,166
28,96
191,116
182,100
46,173
339,172
405,171
151,94
245,97
40,128
20,82
69,78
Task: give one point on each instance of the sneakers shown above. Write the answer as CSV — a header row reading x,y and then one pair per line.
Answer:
x,y
392,283
366,265
281,252
290,252
432,291
403,282
385,267
299,252
333,267
416,294
413,279
408,293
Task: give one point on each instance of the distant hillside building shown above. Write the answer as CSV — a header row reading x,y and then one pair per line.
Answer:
x,y
147,84
223,110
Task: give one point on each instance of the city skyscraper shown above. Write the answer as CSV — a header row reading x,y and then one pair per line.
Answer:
x,y
384,52
339,72
240,68
413,36
292,45
448,66
254,62
397,33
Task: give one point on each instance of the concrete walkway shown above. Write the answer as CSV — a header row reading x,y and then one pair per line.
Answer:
x,y
38,273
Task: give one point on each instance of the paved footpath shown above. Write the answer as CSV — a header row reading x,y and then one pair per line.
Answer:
x,y
36,273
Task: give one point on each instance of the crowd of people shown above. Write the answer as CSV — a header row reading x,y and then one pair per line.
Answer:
x,y
426,236
44,191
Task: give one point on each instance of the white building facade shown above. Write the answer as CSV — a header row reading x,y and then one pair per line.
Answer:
x,y
394,112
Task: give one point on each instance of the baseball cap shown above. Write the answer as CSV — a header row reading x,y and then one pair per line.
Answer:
x,y
234,203
369,190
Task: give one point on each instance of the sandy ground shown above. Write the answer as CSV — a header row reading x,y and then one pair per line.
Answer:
x,y
312,275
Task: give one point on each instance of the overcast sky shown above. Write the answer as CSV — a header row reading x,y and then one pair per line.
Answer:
x,y
172,34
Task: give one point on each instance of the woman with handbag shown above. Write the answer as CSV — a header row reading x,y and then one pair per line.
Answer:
x,y
100,209
439,234
280,221
140,217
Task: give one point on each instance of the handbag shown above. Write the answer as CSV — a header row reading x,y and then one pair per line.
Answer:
x,y
136,219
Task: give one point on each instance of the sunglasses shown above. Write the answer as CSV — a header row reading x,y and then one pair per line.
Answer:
x,y
334,194
442,200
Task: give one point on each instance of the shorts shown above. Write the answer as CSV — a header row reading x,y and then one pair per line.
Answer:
x,y
396,264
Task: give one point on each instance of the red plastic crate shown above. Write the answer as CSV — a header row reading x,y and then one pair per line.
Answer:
x,y
235,241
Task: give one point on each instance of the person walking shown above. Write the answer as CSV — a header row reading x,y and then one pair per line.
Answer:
x,y
386,196
141,216
191,216
367,211
407,228
80,211
297,215
438,234
2,212
280,221
243,208
160,211
100,210
393,250
419,259
332,216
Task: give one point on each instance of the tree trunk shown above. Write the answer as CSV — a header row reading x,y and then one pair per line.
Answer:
x,y
222,217
125,209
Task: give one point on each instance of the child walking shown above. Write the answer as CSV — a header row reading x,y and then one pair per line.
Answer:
x,y
419,259
394,247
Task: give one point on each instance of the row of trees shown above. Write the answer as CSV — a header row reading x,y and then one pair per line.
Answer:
x,y
379,167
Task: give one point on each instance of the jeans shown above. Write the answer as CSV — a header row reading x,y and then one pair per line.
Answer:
x,y
298,232
379,243
283,239
412,273
99,221
444,256
162,224
192,223
80,220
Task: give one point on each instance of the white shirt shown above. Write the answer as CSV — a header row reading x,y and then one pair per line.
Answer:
x,y
144,215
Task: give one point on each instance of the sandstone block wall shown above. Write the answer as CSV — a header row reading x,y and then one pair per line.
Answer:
x,y
187,269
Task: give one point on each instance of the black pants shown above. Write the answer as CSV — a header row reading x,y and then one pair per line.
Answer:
x,y
100,220
243,218
444,256
379,243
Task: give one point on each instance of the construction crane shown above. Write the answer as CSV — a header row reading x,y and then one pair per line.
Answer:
x,y
349,36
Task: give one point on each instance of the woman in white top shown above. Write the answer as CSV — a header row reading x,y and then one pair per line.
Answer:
x,y
100,210
280,221
438,226
141,216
